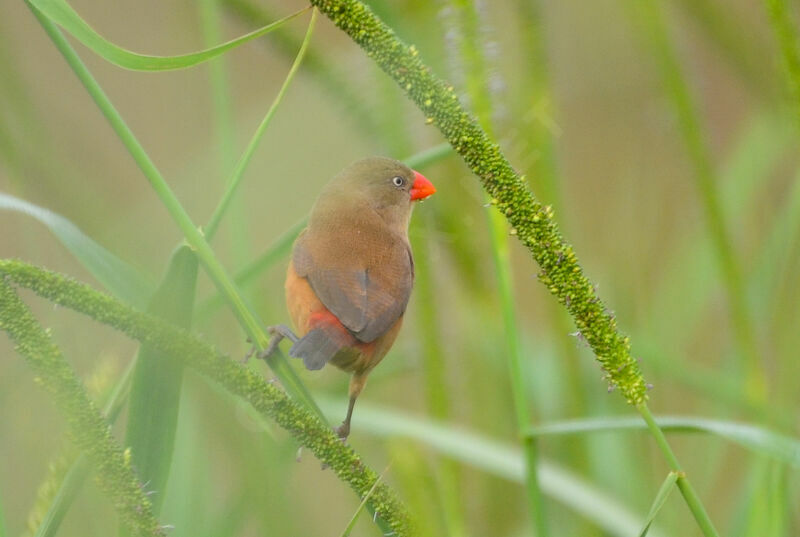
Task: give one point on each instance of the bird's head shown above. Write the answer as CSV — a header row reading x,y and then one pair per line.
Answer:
x,y
384,182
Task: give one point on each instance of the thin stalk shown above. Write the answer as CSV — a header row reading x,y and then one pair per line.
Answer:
x,y
335,83
533,223
87,426
220,87
265,397
350,525
787,36
74,478
244,160
210,17
706,182
245,315
539,141
3,532
472,54
745,53
686,488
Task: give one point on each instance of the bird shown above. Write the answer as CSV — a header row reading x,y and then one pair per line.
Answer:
x,y
351,271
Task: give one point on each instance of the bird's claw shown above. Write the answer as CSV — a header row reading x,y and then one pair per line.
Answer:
x,y
278,332
342,431
249,355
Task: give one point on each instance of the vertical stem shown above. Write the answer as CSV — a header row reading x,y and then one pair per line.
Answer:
x,y
476,82
705,180
787,36
435,377
227,288
223,116
533,223
686,488
539,132
238,171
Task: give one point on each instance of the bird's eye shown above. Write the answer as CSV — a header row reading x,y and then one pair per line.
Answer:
x,y
398,181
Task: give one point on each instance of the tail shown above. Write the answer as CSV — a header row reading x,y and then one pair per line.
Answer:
x,y
318,346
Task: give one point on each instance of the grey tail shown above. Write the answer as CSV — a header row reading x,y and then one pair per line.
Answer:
x,y
316,348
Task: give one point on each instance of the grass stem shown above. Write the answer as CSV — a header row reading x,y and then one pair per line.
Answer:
x,y
194,237
244,160
471,45
686,488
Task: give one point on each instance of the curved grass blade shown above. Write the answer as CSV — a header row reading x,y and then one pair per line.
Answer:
x,y
246,316
157,379
659,501
244,160
121,279
776,445
267,399
62,14
498,459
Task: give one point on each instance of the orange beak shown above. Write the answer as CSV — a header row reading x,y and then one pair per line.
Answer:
x,y
422,188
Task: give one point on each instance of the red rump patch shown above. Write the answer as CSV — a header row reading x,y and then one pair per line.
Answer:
x,y
336,330
324,317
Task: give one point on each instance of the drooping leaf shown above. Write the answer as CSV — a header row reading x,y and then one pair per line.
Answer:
x,y
752,437
121,279
499,459
62,14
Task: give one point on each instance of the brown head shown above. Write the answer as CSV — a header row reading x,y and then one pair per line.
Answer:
x,y
382,184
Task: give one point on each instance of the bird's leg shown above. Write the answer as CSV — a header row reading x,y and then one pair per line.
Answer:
x,y
343,430
357,382
278,332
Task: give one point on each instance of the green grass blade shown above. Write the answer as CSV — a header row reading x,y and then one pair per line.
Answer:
x,y
362,505
752,437
265,397
63,499
244,160
246,316
220,84
472,54
3,531
784,28
429,156
277,251
76,475
87,426
157,380
61,13
653,25
659,501
121,279
499,459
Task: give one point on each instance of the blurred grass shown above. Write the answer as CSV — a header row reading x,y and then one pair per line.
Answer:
x,y
623,187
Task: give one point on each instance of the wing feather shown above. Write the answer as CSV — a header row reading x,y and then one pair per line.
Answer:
x,y
365,283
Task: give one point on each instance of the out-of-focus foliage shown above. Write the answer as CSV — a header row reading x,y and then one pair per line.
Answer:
x,y
622,184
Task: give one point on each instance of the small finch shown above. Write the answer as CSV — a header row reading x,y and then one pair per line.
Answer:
x,y
351,272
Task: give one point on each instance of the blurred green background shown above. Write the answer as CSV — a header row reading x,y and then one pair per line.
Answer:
x,y
624,188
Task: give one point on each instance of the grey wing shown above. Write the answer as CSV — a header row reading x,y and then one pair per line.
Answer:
x,y
368,301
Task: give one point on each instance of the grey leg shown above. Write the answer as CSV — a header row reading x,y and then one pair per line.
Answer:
x,y
343,430
278,332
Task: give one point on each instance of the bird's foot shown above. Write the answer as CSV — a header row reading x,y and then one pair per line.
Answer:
x,y
278,332
246,357
343,431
